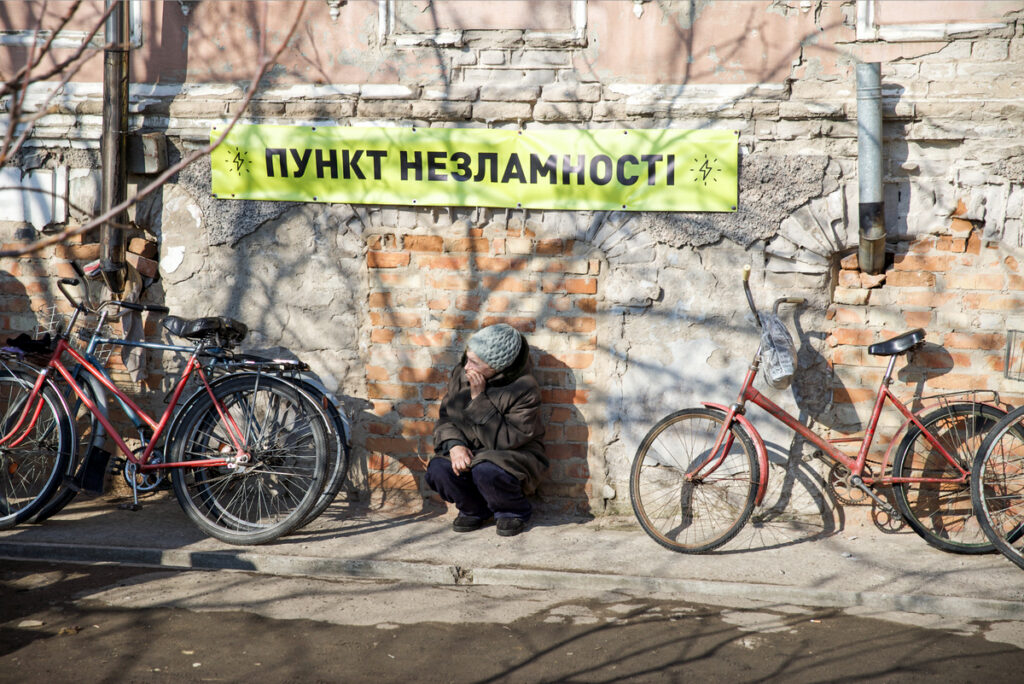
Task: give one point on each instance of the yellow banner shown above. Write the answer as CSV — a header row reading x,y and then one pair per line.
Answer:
x,y
630,170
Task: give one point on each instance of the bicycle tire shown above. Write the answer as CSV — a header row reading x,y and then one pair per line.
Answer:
x,y
997,486
31,471
692,517
269,497
337,465
87,431
942,512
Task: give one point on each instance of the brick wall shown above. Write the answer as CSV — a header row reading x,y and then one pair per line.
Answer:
x,y
963,293
428,293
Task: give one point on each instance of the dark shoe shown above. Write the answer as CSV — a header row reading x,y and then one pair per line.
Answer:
x,y
510,527
467,523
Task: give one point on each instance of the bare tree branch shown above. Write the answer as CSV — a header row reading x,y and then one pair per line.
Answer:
x,y
264,65
19,84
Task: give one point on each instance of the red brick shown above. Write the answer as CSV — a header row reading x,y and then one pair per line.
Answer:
x,y
377,373
975,281
849,279
449,282
423,243
467,303
447,263
988,302
917,319
524,325
387,259
853,336
560,415
577,361
558,452
571,325
421,375
390,390
587,305
379,300
432,392
472,244
564,396
381,336
847,395
411,410
847,316
553,247
393,319
508,284
378,428
498,304
951,244
581,285
430,339
931,300
499,264
974,341
438,304
381,408
958,381
392,445
909,279
577,433
417,428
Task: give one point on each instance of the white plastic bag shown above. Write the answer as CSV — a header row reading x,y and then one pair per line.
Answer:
x,y
778,353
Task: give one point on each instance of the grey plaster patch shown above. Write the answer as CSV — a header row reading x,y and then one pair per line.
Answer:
x,y
771,188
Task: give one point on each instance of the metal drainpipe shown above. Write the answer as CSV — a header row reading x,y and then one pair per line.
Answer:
x,y
114,144
871,250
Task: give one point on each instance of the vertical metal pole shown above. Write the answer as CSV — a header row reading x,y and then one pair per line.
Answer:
x,y
114,144
871,250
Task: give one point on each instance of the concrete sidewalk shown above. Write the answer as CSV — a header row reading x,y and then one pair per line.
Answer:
x,y
774,562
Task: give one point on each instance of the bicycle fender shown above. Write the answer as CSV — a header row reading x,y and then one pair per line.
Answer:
x,y
759,447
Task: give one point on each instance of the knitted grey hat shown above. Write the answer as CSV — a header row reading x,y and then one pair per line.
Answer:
x,y
496,345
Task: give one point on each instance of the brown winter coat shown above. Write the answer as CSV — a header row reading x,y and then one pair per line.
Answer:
x,y
502,425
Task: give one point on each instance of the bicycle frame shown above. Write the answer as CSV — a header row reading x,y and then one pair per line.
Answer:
x,y
55,363
748,392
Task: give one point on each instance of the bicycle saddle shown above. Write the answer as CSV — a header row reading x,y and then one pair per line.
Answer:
x,y
224,330
898,344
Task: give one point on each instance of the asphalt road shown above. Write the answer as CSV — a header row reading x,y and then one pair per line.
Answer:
x,y
105,623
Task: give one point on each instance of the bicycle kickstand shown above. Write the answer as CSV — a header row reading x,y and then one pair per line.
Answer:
x,y
857,482
134,505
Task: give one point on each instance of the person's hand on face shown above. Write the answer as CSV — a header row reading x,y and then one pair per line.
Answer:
x,y
461,457
477,373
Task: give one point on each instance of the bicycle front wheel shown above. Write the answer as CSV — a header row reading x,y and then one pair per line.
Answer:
x,y
693,515
997,486
941,511
35,457
271,493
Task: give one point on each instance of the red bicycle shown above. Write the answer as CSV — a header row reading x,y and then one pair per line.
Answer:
x,y
247,459
699,472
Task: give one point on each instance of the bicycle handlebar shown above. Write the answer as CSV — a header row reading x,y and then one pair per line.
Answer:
x,y
750,297
79,306
135,306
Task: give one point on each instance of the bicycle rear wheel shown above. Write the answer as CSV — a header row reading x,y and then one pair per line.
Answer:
x,y
997,486
338,450
942,512
32,468
271,494
693,516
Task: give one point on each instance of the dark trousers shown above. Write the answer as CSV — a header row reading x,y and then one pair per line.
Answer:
x,y
484,491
